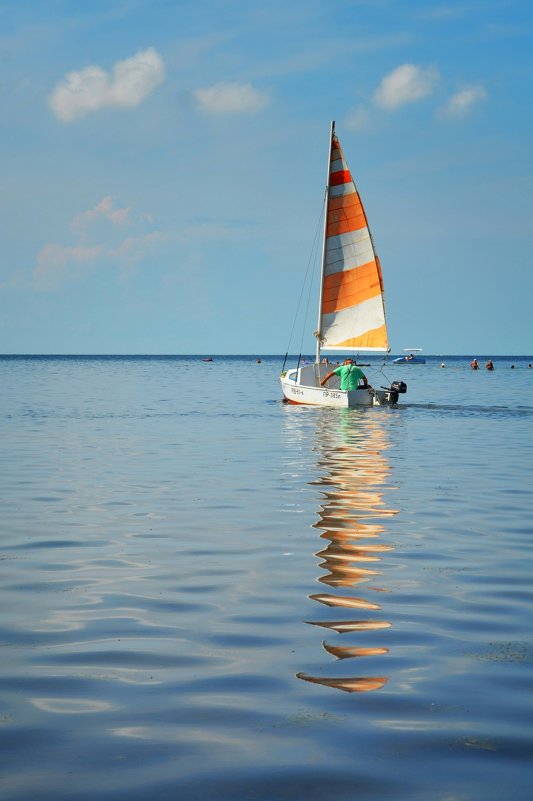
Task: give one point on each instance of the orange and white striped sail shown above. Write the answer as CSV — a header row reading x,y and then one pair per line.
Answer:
x,y
353,310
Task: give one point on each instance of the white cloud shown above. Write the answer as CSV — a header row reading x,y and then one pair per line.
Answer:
x,y
405,84
462,101
99,241
104,210
135,247
230,98
91,89
55,261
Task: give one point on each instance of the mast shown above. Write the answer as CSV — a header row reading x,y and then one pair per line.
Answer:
x,y
323,269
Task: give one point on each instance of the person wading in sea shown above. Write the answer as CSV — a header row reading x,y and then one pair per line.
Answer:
x,y
350,376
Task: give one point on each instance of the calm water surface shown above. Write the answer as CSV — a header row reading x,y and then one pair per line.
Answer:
x,y
208,594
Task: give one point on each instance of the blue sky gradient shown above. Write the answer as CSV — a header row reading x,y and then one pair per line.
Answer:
x,y
163,166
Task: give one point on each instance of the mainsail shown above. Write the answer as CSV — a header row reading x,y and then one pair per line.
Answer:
x,y
352,313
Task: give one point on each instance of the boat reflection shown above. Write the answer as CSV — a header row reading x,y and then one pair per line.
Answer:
x,y
355,472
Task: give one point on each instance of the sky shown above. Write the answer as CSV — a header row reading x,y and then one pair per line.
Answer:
x,y
163,165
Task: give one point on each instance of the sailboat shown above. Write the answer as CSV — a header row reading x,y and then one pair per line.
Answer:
x,y
351,306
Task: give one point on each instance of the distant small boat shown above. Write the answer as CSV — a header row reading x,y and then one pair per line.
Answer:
x,y
208,359
410,357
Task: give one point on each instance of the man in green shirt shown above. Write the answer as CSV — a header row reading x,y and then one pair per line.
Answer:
x,y
350,376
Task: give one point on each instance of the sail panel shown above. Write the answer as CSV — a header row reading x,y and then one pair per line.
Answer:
x,y
352,313
348,288
341,189
375,340
357,327
345,214
348,251
339,177
348,202
338,164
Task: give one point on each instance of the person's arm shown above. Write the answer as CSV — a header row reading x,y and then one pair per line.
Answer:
x,y
326,378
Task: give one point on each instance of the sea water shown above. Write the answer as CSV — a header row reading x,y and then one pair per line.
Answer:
x,y
209,594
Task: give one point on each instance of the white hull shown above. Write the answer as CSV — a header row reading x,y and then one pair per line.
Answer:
x,y
301,387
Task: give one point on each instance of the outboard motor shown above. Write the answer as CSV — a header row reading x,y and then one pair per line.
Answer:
x,y
396,388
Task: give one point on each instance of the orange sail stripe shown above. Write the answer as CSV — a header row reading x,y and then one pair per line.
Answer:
x,y
350,287
340,177
365,274
376,338
341,223
345,202
345,214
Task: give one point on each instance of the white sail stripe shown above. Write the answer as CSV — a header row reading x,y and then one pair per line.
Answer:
x,y
352,322
349,238
337,165
342,189
347,262
346,251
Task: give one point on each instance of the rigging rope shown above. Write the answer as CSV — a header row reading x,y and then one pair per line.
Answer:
x,y
381,370
312,258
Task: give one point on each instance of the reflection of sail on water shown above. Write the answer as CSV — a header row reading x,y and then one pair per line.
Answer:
x,y
352,516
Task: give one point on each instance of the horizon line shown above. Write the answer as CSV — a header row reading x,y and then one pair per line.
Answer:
x,y
255,355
